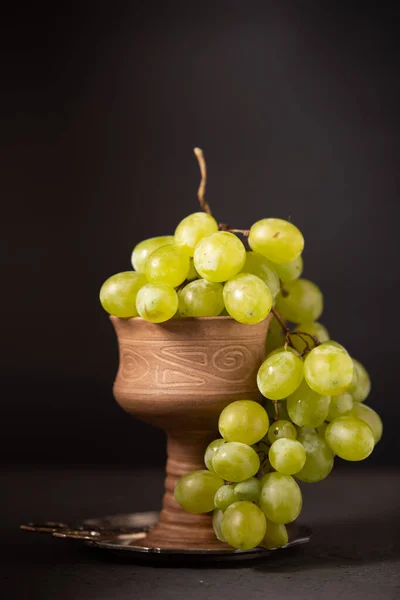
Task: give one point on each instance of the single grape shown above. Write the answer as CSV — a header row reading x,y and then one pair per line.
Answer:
x,y
224,497
168,264
281,429
248,490
118,293
192,274
157,302
350,438
340,405
300,301
243,421
335,345
306,408
315,329
275,337
278,240
217,521
258,265
360,386
247,298
276,536
280,375
328,369
210,452
235,461
289,271
219,257
201,298
142,251
243,525
280,498
192,229
369,416
283,349
319,457
287,456
195,491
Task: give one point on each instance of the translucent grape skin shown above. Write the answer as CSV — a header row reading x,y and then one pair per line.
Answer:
x,y
275,537
258,265
192,274
219,257
235,461
243,525
300,301
201,298
369,416
247,299
283,349
313,328
168,264
157,302
319,457
289,271
360,386
142,251
216,521
276,239
224,497
328,369
210,451
193,228
340,405
280,375
248,490
350,438
280,498
306,408
118,294
243,421
195,491
281,429
287,456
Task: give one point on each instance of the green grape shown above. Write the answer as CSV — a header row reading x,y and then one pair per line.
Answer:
x,y
201,298
280,498
168,264
306,408
319,457
322,428
282,410
350,438
118,293
247,299
143,250
243,421
281,429
275,336
300,301
192,229
217,521
235,461
283,349
313,328
275,537
278,240
280,375
224,497
243,525
248,490
360,386
219,257
258,265
193,274
369,416
262,449
335,345
195,491
210,452
328,369
289,271
340,405
157,302
287,456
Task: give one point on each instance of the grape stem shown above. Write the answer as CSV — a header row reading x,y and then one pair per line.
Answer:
x,y
226,227
276,407
288,333
203,181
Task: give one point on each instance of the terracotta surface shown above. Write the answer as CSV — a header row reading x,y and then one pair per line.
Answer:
x,y
178,376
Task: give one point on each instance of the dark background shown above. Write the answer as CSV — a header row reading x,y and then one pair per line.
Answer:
x,y
296,105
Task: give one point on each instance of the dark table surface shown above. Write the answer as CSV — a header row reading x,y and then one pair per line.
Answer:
x,y
354,552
